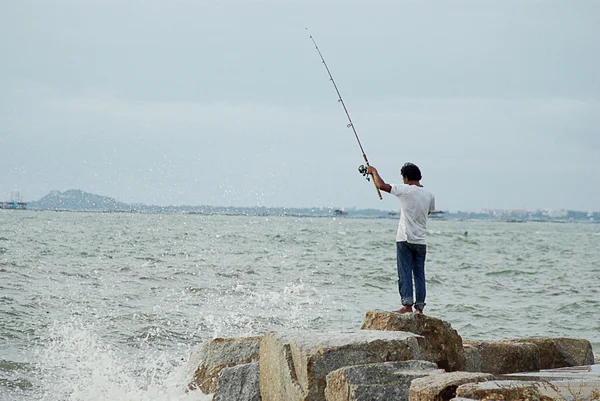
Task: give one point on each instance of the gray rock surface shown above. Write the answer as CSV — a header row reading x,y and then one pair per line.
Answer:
x,y
501,357
472,356
571,383
561,352
526,354
294,365
220,353
443,387
500,390
239,383
379,381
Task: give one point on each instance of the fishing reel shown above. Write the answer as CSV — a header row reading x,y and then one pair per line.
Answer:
x,y
364,171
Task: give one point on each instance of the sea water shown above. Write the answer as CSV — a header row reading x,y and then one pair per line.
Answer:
x,y
111,306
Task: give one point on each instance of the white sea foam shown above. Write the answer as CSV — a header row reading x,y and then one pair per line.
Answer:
x,y
77,365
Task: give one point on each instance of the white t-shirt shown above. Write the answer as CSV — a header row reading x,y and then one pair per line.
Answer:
x,y
415,205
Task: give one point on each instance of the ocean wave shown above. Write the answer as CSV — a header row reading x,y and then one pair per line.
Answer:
x,y
11,366
510,272
16,384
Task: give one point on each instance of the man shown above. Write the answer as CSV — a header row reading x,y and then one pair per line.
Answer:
x,y
415,205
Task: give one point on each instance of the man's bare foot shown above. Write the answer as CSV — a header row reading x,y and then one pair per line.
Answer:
x,y
418,311
405,309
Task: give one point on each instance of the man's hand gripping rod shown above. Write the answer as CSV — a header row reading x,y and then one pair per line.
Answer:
x,y
362,169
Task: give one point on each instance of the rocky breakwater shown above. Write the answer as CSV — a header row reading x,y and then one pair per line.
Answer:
x,y
392,357
442,343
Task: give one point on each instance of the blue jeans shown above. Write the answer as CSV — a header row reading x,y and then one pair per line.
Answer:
x,y
411,262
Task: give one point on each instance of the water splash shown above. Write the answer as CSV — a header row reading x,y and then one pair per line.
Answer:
x,y
77,365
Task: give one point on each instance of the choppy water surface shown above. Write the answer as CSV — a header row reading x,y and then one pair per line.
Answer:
x,y
108,306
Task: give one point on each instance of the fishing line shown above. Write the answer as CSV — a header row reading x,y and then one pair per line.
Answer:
x,y
361,169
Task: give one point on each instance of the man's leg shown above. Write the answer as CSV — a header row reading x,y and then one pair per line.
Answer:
x,y
418,265
405,283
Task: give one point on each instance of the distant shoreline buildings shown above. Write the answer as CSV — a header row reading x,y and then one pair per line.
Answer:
x,y
13,205
15,202
79,201
528,215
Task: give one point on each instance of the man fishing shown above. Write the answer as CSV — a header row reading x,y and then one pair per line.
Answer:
x,y
415,205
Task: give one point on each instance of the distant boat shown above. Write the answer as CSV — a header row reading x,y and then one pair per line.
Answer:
x,y
13,205
340,212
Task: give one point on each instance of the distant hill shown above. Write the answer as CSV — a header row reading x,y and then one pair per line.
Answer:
x,y
75,199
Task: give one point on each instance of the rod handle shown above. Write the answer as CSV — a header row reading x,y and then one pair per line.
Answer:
x,y
377,189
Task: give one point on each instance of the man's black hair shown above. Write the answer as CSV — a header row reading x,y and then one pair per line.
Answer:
x,y
411,172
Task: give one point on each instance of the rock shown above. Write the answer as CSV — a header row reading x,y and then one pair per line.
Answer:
x,y
501,357
472,356
576,382
526,354
240,383
444,345
378,381
501,390
294,365
443,387
221,353
561,352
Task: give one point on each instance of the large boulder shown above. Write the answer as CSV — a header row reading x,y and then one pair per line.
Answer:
x,y
443,344
502,390
443,387
576,382
501,357
377,381
239,383
526,354
561,352
220,353
294,365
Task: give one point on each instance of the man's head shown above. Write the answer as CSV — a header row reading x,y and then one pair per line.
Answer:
x,y
410,172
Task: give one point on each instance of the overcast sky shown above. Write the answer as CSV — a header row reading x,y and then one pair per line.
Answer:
x,y
227,102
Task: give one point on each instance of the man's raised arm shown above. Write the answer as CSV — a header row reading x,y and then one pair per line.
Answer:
x,y
382,185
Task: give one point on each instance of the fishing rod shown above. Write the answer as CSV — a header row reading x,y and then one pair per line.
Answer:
x,y
361,169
